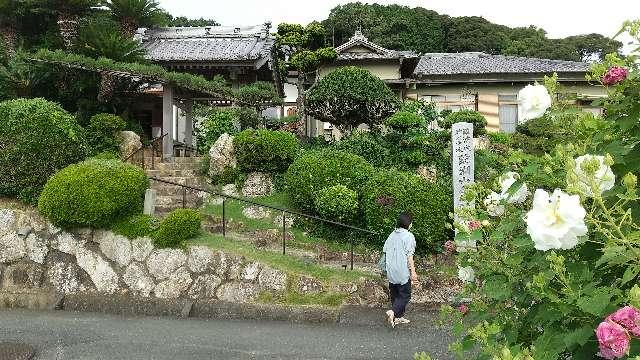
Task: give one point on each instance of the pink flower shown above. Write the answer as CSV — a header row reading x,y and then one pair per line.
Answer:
x,y
628,317
613,340
450,246
614,75
474,225
464,309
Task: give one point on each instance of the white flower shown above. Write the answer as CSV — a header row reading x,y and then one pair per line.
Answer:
x,y
556,220
465,245
466,274
533,101
519,195
493,205
603,177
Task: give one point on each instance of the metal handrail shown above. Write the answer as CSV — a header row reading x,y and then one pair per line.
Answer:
x,y
277,208
143,147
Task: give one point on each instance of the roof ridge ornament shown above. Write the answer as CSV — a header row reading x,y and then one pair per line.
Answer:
x,y
358,35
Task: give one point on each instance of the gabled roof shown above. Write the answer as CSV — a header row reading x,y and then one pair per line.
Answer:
x,y
475,63
358,40
215,44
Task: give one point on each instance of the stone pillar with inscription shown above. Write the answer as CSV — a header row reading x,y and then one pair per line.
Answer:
x,y
463,162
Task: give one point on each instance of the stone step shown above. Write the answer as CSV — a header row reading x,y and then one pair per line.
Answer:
x,y
172,173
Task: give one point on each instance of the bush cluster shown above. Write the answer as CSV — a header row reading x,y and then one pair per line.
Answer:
x,y
265,150
179,226
37,138
470,116
315,170
102,133
402,121
136,226
338,203
94,193
371,146
216,123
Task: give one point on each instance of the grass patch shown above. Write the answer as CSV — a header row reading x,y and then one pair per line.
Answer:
x,y
285,263
329,299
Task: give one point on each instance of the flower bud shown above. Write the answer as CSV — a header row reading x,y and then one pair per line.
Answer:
x,y
590,166
634,296
630,181
608,160
485,223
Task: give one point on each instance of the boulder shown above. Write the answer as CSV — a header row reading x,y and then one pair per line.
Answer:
x,y
230,190
257,184
129,143
98,269
37,248
66,243
234,267
222,155
7,220
64,277
199,258
238,292
219,264
23,275
173,287
141,248
12,247
429,173
138,280
162,263
307,285
117,250
250,271
288,220
255,212
204,287
272,279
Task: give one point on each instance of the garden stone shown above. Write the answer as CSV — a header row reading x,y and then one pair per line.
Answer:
x,y
64,277
288,220
255,212
99,270
67,243
199,258
219,264
12,248
272,279
117,250
173,287
164,262
234,269
141,248
230,190
7,220
257,184
251,271
53,230
204,287
36,248
238,292
129,143
138,280
222,155
429,173
84,235
22,275
348,288
308,285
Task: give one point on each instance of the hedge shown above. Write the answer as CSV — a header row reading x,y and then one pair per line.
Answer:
x,y
316,170
102,133
372,147
265,150
338,203
177,227
390,192
471,116
37,138
404,120
94,193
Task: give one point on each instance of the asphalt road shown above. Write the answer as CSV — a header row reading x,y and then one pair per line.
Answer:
x,y
65,335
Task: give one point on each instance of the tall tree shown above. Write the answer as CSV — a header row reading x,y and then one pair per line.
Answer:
x,y
182,21
133,14
303,49
593,46
69,13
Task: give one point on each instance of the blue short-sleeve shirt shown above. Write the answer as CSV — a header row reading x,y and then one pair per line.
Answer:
x,y
399,246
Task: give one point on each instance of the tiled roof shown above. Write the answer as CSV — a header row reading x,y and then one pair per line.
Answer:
x,y
201,44
377,51
481,63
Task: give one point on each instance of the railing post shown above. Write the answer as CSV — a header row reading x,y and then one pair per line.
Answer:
x,y
284,233
142,157
184,197
351,242
224,218
153,156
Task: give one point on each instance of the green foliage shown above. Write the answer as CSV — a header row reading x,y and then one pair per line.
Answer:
x,y
427,110
249,118
265,150
37,138
390,192
216,123
404,120
338,203
135,13
470,116
350,96
371,146
230,175
102,133
100,37
499,138
93,193
259,96
182,21
179,226
315,170
303,48
136,226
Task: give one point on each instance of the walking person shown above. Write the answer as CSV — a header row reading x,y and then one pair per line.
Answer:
x,y
401,271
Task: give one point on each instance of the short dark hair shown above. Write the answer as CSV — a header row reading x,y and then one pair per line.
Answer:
x,y
404,220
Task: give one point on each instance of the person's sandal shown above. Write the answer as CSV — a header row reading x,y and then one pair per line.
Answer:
x,y
402,320
391,319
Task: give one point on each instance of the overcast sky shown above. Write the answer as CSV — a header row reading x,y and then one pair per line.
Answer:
x,y
559,18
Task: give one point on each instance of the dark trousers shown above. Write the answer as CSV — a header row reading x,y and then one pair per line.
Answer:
x,y
400,296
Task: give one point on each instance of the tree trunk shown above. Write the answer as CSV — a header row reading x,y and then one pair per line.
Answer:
x,y
68,25
108,84
9,35
300,102
129,27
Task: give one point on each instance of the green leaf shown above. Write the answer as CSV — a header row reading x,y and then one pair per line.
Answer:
x,y
613,255
630,273
596,303
578,337
497,287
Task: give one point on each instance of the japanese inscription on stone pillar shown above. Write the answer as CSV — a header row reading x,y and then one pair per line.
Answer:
x,y
462,154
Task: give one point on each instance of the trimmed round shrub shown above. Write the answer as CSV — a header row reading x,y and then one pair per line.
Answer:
x,y
404,120
316,170
37,138
338,203
470,116
265,150
179,226
370,146
93,193
136,226
102,132
390,192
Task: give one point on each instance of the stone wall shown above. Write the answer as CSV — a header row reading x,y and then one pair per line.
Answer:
x,y
34,255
